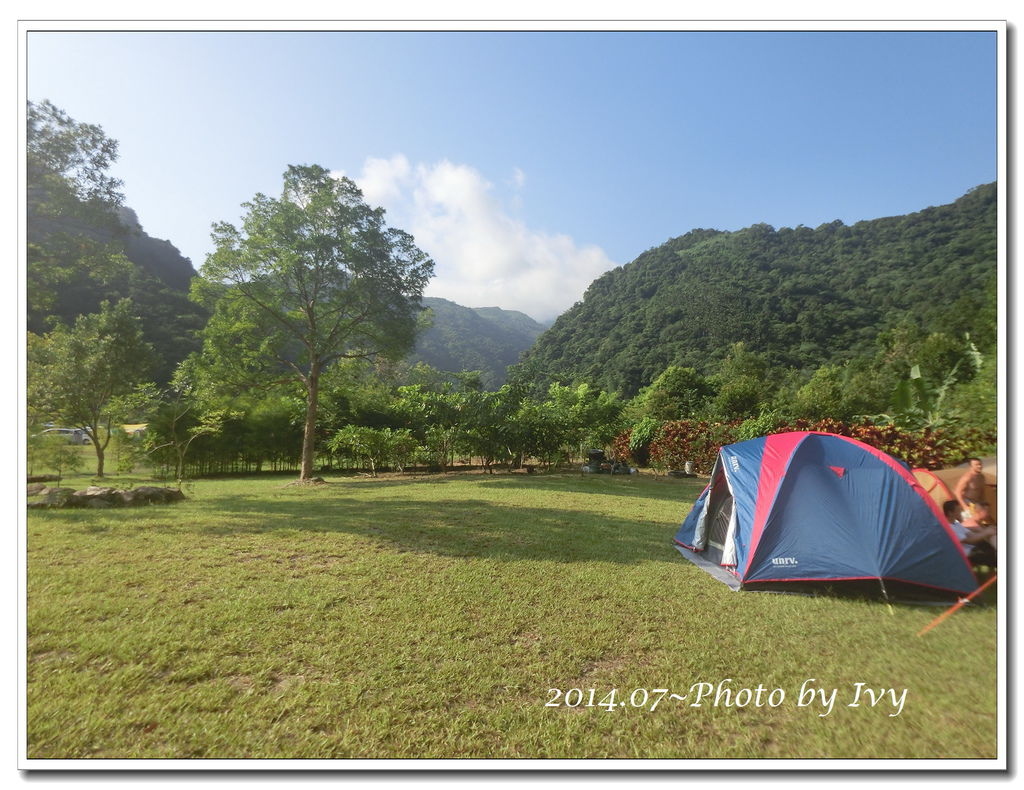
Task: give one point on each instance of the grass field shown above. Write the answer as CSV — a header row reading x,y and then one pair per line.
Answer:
x,y
435,616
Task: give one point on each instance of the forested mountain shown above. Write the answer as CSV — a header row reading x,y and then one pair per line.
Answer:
x,y
513,321
803,297
152,273
487,339
156,256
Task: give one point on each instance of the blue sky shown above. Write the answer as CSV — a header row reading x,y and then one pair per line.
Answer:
x,y
527,164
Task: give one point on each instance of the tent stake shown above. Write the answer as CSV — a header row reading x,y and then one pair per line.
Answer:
x,y
885,594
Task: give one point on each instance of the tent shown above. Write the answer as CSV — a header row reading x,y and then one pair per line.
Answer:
x,y
934,486
798,511
941,483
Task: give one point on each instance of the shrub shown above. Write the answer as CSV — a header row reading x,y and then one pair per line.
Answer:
x,y
680,441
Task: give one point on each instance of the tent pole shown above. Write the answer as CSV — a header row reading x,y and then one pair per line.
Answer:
x,y
955,606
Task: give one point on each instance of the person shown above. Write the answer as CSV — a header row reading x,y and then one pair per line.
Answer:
x,y
977,534
970,489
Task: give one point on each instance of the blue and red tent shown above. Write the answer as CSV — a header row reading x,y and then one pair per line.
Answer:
x,y
796,511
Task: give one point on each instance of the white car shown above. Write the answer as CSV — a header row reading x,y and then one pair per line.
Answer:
x,y
74,435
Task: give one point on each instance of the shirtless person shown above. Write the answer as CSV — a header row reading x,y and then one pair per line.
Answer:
x,y
970,490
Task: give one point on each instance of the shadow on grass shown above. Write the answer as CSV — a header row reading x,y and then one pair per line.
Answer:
x,y
451,527
666,489
647,487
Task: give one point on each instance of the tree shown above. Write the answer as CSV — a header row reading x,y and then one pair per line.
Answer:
x,y
312,277
490,423
378,446
85,375
68,160
53,452
823,395
74,235
678,393
743,383
180,415
590,417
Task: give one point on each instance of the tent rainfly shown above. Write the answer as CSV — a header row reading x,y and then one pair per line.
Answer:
x,y
805,510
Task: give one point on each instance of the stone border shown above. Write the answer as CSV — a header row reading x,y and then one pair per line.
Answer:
x,y
101,497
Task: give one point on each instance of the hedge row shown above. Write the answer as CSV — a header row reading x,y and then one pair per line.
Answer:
x,y
698,441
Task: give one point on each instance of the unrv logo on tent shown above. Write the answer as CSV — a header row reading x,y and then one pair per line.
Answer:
x,y
784,561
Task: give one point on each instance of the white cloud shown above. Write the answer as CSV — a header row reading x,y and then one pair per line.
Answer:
x,y
484,255
382,180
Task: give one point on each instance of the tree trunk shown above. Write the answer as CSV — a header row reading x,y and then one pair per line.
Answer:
x,y
93,434
309,434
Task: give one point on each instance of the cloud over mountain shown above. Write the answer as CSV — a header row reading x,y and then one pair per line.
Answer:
x,y
485,254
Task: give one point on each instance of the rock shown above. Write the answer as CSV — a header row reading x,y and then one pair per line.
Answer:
x,y
87,496
151,495
58,497
147,495
104,491
105,497
131,497
36,488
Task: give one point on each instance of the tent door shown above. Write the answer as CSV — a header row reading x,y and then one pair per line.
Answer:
x,y
720,524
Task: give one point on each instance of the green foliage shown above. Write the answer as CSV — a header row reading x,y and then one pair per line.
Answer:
x,y
643,434
185,412
824,395
765,423
743,383
678,393
922,398
633,444
68,160
53,453
70,197
83,375
128,451
81,251
537,431
377,446
589,416
973,406
178,423
803,298
311,278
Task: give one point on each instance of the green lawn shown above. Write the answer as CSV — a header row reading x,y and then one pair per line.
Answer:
x,y
430,617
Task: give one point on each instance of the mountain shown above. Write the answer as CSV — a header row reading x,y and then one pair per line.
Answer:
x,y
512,321
487,339
804,297
156,279
156,256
